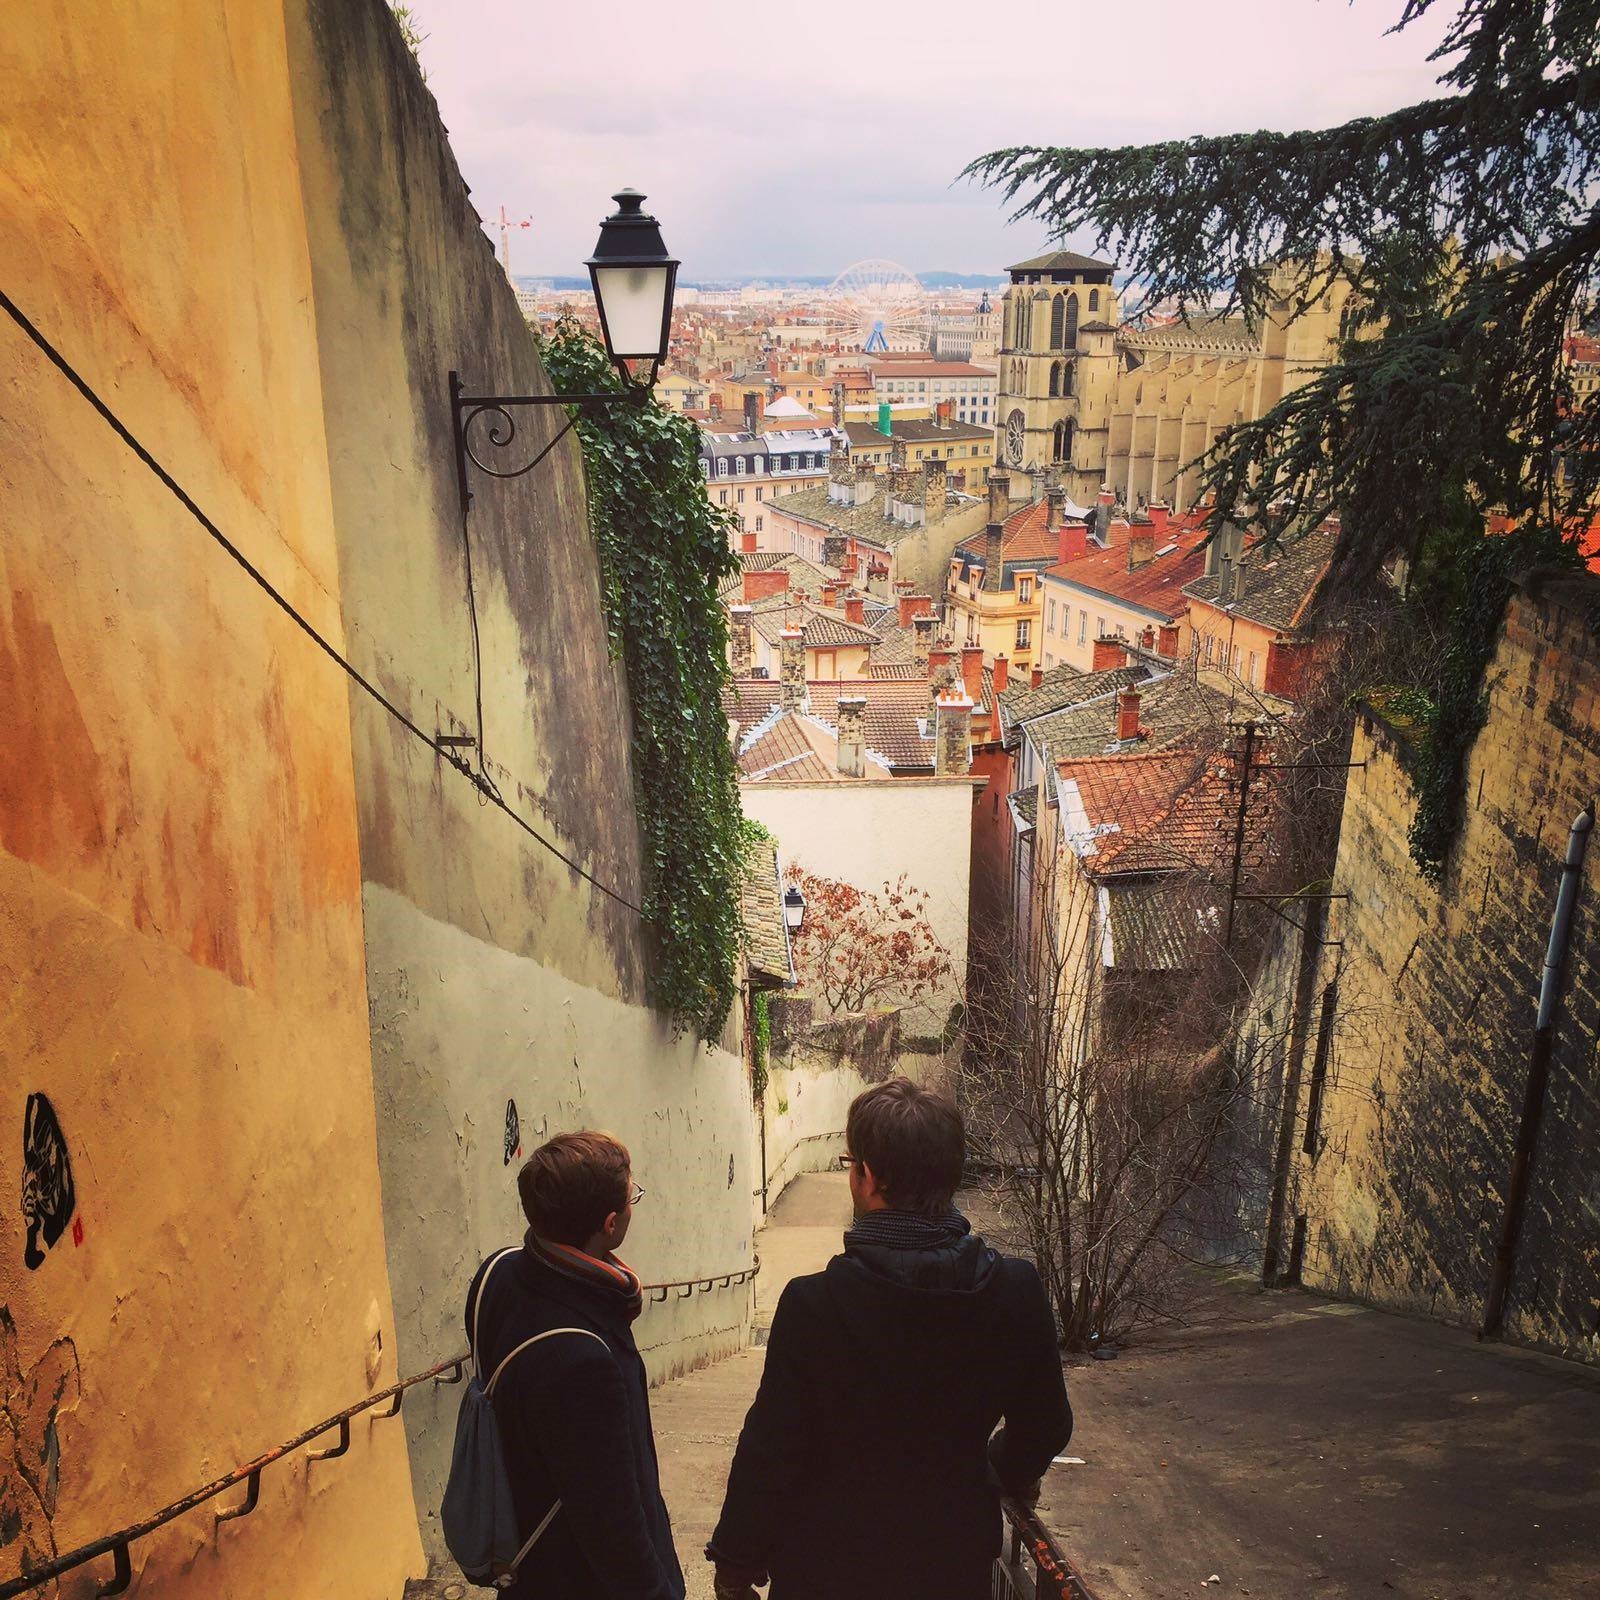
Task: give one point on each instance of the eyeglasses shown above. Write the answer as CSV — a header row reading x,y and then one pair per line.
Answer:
x,y
846,1162
636,1196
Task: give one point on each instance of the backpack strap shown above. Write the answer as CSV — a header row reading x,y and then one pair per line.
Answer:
x,y
477,1304
549,1333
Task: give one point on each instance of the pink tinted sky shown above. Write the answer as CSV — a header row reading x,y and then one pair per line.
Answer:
x,y
800,138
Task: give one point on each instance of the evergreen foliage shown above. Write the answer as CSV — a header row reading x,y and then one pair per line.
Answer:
x,y
663,549
1469,229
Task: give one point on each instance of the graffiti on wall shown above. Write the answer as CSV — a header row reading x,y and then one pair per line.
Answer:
x,y
48,1197
513,1133
30,1450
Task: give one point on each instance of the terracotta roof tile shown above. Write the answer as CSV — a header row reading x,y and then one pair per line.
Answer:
x,y
893,717
1156,586
1273,585
766,935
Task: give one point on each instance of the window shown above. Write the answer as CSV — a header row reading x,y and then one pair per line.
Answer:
x,y
722,468
758,491
705,468
1094,299
739,467
722,497
808,463
1024,590
761,465
741,497
1071,341
758,524
1058,323
1050,616
1024,634
1099,627
1251,676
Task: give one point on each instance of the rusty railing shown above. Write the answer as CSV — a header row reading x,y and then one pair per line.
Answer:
x,y
119,1545
1032,1566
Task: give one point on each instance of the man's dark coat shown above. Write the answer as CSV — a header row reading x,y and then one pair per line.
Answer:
x,y
865,1467
574,1421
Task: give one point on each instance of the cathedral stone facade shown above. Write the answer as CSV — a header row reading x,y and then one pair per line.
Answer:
x,y
1095,402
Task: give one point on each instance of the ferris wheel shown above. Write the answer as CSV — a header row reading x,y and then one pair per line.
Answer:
x,y
877,306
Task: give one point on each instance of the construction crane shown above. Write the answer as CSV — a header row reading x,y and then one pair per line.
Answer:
x,y
506,225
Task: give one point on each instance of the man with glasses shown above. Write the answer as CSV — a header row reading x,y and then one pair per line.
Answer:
x,y
572,1408
869,1465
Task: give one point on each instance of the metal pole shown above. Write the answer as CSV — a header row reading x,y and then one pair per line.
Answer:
x,y
1238,830
1544,1038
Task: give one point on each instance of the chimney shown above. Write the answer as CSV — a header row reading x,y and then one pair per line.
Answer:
x,y
739,638
855,608
1036,677
1117,531
1128,715
1055,508
792,658
759,585
864,478
852,736
752,413
897,455
999,495
830,595
747,541
1109,654
972,671
1147,639
1141,546
923,644
1167,640
1002,672
952,735
934,488
1107,496
835,547
840,474
1160,513
941,414
941,661
838,405
1074,540
913,606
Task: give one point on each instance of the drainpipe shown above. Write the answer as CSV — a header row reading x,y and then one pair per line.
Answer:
x,y
1544,1038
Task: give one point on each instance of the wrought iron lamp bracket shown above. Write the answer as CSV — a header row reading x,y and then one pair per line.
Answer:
x,y
496,427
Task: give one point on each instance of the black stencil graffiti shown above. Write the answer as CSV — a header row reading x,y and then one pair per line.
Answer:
x,y
47,1193
513,1133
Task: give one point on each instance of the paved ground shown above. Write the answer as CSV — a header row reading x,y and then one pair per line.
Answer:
x,y
1289,1446
1294,1446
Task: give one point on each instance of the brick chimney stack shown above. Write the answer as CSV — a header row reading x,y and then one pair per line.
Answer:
x,y
852,736
747,541
1109,654
935,487
1141,545
739,639
762,584
1002,672
1128,715
1055,507
1167,640
1118,531
1160,514
792,659
830,595
1107,496
913,606
952,734
972,671
923,645
1074,541
999,496
855,608
1036,677
941,660
1147,639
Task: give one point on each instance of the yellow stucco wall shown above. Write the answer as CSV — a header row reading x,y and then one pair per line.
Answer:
x,y
180,915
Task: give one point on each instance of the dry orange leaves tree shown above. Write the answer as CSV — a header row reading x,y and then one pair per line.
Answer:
x,y
866,950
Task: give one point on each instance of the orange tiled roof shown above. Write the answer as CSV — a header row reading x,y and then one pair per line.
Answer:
x,y
1155,586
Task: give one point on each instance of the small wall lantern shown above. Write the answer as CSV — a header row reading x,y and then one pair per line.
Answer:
x,y
794,908
634,279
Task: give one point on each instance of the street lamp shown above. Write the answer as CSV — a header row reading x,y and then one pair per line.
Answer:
x,y
633,278
794,908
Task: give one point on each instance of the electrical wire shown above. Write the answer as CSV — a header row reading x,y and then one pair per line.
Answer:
x,y
479,780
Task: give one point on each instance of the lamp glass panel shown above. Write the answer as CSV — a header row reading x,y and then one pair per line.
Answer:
x,y
634,299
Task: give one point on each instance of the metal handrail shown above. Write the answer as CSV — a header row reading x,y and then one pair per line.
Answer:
x,y
453,1370
1054,1577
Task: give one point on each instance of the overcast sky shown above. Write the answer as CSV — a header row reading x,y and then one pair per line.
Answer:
x,y
798,139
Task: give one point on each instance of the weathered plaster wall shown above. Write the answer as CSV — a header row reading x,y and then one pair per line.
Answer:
x,y
181,966
496,975
868,833
806,1106
1433,1021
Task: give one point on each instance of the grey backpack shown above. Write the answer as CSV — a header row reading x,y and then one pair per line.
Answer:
x,y
480,1523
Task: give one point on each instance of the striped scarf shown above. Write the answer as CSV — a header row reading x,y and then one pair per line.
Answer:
x,y
907,1230
610,1273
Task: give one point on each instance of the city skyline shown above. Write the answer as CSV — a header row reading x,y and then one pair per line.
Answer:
x,y
796,161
